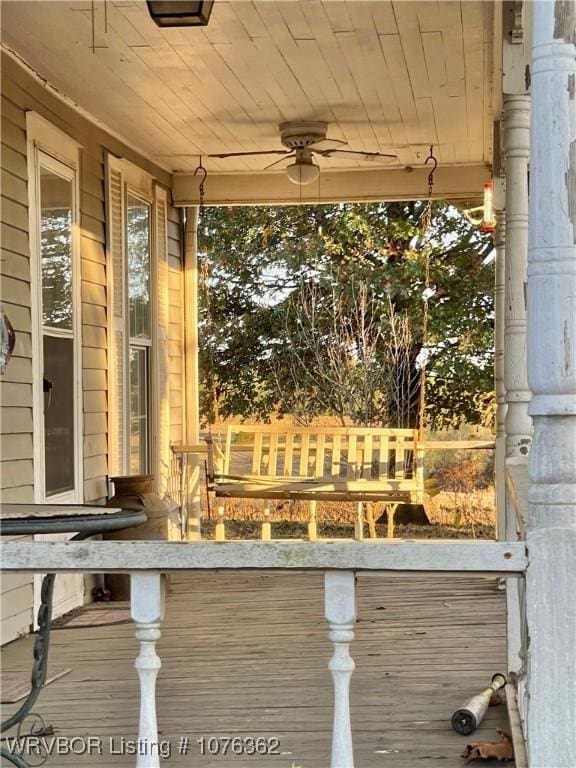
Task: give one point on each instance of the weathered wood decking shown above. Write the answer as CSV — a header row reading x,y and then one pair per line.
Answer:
x,y
247,653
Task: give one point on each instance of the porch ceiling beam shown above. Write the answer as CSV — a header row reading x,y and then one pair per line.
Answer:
x,y
464,182
130,556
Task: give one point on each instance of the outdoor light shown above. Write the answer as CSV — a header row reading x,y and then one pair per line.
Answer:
x,y
303,172
489,217
180,13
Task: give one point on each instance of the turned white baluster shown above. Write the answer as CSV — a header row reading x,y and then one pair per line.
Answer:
x,y
147,610
551,523
340,612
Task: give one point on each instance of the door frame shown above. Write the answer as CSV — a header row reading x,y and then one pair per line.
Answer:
x,y
57,150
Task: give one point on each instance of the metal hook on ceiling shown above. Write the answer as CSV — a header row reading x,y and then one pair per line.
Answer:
x,y
201,170
431,158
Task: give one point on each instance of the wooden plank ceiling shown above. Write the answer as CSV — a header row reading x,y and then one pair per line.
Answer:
x,y
387,76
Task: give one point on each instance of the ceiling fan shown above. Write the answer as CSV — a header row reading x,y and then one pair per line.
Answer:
x,y
302,142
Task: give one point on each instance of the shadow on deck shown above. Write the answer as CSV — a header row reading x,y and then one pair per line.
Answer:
x,y
246,654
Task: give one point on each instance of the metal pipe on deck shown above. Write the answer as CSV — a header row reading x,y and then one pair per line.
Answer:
x,y
469,717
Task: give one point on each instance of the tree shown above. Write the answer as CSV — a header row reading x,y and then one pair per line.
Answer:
x,y
346,355
259,260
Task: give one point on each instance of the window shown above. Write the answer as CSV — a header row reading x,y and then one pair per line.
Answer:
x,y
138,249
138,401
53,164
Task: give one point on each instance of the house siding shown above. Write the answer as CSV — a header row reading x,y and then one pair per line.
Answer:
x,y
176,326
17,469
22,92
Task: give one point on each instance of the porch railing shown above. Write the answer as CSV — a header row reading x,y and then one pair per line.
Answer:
x,y
148,561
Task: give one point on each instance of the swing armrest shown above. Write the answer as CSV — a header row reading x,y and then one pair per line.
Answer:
x,y
215,459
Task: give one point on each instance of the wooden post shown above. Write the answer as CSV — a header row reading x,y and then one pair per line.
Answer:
x,y
499,301
340,611
551,524
518,425
147,610
516,50
191,367
514,587
516,152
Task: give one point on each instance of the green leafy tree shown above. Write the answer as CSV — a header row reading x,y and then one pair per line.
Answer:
x,y
259,260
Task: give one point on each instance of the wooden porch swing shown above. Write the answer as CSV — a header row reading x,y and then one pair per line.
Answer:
x,y
345,464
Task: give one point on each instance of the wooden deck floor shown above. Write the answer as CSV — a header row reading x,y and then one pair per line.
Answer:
x,y
247,654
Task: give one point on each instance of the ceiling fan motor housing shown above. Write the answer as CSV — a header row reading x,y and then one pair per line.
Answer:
x,y
300,135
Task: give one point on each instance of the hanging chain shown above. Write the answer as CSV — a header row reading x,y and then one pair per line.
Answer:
x,y
204,286
202,189
426,218
425,225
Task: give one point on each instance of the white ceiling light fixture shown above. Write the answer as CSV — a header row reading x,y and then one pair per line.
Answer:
x,y
304,170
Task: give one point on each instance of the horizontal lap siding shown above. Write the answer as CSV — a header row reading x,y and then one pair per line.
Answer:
x,y
176,329
20,93
17,469
16,601
17,450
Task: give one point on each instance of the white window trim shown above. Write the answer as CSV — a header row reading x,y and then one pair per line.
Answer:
x,y
45,138
144,192
142,185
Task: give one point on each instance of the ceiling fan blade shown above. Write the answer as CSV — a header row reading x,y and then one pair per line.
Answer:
x,y
287,157
323,144
223,155
356,153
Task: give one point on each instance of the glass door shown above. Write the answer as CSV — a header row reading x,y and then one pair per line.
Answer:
x,y
58,353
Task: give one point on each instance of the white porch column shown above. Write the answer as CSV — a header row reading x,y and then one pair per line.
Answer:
x,y
191,365
551,524
517,152
340,611
500,458
505,525
147,610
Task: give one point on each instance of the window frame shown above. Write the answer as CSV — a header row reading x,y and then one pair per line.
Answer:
x,y
50,148
122,175
139,342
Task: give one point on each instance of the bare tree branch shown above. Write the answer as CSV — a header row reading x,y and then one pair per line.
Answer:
x,y
346,357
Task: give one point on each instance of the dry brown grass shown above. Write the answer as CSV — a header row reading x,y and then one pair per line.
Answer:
x,y
450,517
